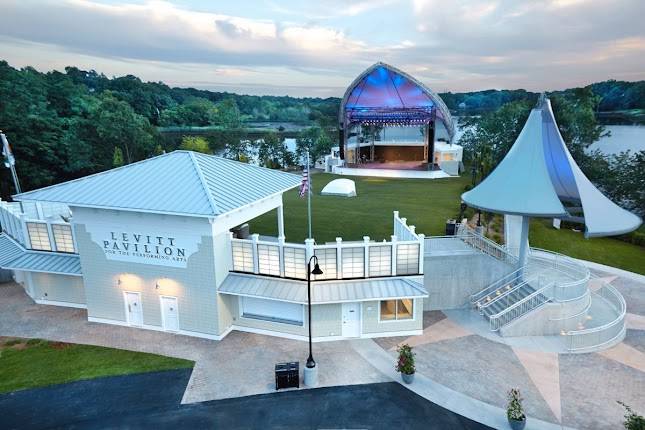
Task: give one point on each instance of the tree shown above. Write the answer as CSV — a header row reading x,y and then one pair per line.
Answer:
x,y
117,159
195,143
271,151
314,141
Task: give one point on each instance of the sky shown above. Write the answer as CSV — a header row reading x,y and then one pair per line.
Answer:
x,y
316,48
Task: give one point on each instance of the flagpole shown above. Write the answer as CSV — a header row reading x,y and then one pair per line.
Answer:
x,y
10,161
309,194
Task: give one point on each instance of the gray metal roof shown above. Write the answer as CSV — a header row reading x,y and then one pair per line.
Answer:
x,y
179,183
15,257
321,291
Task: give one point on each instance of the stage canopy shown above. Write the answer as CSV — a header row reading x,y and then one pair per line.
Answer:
x,y
384,95
539,178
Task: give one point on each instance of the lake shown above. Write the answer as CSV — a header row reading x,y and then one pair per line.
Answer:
x,y
623,138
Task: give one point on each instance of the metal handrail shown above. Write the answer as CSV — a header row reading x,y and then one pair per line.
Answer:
x,y
522,307
603,334
504,294
474,298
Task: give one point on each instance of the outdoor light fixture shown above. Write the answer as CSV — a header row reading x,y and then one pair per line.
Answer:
x,y
118,281
311,372
156,286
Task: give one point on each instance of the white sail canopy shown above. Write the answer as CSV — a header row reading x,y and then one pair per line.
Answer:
x,y
539,174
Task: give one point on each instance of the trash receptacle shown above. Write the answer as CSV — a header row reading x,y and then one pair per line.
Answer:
x,y
287,375
451,227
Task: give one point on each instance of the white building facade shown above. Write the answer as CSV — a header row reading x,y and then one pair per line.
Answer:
x,y
150,245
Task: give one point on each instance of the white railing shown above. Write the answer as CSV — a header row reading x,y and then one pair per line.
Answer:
x,y
507,279
338,260
466,235
36,233
531,302
575,276
402,230
604,335
505,295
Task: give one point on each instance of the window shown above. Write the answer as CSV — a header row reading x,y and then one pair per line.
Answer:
x,y
294,263
397,310
242,256
327,263
38,236
380,260
63,237
407,259
269,259
272,310
353,262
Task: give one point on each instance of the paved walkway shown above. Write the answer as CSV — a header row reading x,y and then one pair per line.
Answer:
x,y
240,365
456,368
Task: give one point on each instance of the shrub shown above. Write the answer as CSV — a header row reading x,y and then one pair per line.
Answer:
x,y
515,411
405,364
633,421
12,342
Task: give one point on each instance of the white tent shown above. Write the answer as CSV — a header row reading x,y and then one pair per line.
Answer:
x,y
340,187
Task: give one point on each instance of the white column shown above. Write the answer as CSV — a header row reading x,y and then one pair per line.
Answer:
x,y
25,232
281,221
393,255
281,254
254,245
339,258
396,217
230,251
50,233
366,262
422,243
524,242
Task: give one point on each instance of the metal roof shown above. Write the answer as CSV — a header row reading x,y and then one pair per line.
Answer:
x,y
538,174
15,257
177,183
321,291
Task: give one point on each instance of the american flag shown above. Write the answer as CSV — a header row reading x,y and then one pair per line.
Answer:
x,y
304,185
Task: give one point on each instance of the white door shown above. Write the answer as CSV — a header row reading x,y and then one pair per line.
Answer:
x,y
133,310
169,314
351,320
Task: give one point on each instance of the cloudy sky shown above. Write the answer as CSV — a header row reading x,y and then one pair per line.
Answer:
x,y
316,48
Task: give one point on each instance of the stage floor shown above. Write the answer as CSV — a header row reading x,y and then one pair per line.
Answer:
x,y
392,165
390,172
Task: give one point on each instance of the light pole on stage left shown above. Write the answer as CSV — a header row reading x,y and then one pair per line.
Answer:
x,y
311,371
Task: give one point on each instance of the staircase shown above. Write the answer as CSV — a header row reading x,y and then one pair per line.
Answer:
x,y
511,297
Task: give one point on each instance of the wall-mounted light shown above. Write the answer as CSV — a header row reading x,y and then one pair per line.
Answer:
x,y
118,281
156,286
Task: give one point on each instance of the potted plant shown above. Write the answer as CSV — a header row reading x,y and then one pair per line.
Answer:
x,y
405,363
515,411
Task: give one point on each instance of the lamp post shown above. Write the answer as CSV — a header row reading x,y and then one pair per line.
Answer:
x,y
311,371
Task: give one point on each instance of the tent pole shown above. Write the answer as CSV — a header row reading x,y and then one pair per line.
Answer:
x,y
524,242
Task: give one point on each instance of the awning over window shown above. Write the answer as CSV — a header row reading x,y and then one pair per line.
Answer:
x,y
15,257
322,291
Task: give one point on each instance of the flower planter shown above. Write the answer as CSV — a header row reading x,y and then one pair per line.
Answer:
x,y
517,424
407,378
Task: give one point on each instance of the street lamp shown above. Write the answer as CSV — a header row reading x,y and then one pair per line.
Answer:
x,y
311,372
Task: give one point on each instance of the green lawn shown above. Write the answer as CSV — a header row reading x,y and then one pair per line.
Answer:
x,y
426,204
38,363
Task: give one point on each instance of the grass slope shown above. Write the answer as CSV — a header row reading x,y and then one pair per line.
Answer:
x,y
38,363
426,204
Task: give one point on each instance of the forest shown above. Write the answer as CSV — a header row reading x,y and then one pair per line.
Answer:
x,y
64,125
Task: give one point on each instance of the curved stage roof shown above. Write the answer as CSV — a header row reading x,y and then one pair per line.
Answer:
x,y
383,93
539,175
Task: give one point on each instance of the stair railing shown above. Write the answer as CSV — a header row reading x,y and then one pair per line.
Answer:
x,y
506,293
491,288
531,302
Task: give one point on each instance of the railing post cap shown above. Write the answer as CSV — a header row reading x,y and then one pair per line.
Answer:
x,y
366,239
339,239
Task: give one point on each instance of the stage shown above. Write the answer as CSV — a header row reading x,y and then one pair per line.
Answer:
x,y
386,170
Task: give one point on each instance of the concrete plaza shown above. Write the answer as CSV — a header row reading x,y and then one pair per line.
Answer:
x,y
457,367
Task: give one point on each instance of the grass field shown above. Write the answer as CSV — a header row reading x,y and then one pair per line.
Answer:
x,y
426,204
37,363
